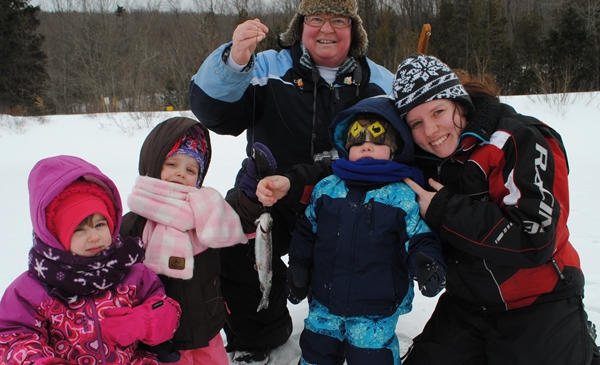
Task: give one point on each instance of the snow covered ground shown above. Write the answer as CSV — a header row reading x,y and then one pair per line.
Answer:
x,y
112,142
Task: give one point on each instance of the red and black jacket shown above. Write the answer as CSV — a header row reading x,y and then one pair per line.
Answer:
x,y
502,215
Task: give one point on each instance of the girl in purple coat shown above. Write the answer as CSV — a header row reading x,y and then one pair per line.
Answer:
x,y
86,297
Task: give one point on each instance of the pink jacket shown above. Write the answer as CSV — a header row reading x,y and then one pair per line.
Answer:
x,y
35,325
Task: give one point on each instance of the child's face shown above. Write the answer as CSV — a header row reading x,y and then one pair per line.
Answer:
x,y
180,169
370,150
89,239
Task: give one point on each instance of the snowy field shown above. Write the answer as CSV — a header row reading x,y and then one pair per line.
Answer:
x,y
112,142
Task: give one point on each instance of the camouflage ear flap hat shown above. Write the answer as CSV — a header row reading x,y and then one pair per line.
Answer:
x,y
421,78
348,8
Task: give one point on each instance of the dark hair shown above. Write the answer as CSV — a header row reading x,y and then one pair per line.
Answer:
x,y
89,221
479,86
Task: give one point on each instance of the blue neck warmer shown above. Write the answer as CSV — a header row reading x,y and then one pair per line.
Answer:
x,y
376,171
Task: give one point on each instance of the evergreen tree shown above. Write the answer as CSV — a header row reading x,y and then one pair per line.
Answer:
x,y
528,48
569,52
449,37
386,50
22,74
471,35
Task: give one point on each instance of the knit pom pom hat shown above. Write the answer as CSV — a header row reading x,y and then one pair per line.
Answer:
x,y
75,203
192,143
348,8
421,79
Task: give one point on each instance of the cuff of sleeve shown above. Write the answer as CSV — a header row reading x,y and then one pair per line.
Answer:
x,y
300,262
293,199
228,60
436,209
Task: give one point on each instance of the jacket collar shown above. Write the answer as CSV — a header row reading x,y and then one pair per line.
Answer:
x,y
485,120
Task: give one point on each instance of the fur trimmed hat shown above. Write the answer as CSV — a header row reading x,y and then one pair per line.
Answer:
x,y
348,8
421,78
75,203
193,143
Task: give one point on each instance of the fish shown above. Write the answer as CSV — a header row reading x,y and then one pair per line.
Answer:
x,y
263,252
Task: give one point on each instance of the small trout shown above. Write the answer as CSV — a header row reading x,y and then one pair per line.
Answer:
x,y
263,251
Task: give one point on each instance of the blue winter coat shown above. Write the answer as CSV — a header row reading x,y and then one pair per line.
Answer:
x,y
359,239
277,102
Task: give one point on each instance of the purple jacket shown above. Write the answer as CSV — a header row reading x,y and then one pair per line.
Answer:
x,y
36,325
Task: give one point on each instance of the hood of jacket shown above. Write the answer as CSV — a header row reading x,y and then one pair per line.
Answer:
x,y
161,139
383,106
52,175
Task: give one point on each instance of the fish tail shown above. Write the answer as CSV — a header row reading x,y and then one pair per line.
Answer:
x,y
264,304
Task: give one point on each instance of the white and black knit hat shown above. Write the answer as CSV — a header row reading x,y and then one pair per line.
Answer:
x,y
422,78
348,8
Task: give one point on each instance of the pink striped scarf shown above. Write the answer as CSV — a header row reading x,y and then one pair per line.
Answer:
x,y
183,221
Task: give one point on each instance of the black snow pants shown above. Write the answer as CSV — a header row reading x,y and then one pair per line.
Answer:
x,y
547,333
247,329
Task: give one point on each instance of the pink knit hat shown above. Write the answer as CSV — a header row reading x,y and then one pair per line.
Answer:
x,y
74,204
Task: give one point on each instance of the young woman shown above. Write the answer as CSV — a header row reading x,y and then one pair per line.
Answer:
x,y
499,200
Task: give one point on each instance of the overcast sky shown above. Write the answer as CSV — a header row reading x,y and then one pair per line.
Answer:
x,y
52,5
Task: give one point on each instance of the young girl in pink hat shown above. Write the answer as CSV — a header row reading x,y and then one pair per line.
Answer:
x,y
86,297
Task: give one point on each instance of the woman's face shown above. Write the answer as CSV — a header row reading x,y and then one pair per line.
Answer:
x,y
436,126
326,45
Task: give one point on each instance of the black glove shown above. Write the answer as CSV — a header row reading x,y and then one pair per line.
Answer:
x,y
166,351
297,283
430,275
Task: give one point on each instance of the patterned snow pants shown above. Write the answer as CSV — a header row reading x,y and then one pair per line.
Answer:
x,y
328,339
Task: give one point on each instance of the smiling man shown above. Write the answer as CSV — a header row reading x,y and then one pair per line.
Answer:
x,y
286,101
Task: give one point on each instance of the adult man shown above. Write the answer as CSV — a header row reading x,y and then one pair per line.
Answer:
x,y
286,101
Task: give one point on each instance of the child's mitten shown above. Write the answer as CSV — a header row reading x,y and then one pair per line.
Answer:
x,y
153,322
430,275
297,283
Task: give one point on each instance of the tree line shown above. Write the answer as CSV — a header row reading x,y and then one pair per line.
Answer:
x,y
106,57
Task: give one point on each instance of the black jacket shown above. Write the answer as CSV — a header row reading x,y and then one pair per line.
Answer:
x,y
203,310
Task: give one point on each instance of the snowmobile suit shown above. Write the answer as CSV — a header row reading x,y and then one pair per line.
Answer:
x,y
502,217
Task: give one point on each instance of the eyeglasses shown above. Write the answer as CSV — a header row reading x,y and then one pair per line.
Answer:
x,y
335,22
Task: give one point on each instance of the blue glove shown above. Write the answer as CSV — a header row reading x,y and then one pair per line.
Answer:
x,y
260,164
430,275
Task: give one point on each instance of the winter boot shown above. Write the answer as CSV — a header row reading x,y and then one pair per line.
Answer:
x,y
251,357
260,164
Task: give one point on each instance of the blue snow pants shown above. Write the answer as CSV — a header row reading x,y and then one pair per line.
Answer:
x,y
328,339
